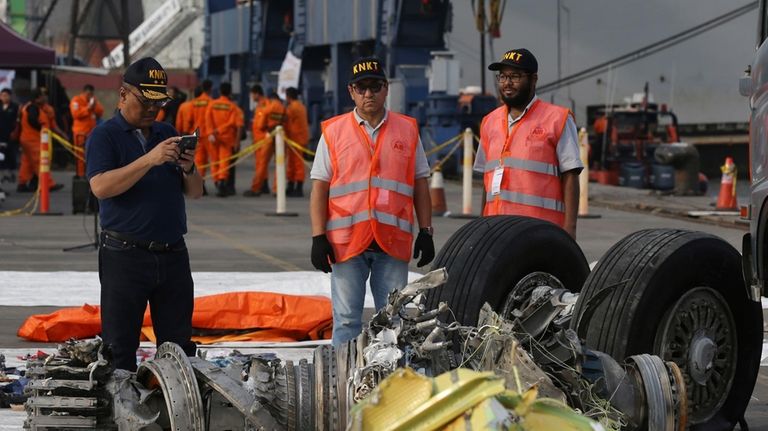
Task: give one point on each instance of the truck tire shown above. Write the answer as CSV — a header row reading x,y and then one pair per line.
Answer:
x,y
679,295
488,257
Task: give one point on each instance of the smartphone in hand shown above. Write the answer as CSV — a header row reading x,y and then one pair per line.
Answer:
x,y
188,142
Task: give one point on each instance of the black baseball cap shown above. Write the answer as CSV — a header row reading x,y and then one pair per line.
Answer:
x,y
518,58
367,67
149,77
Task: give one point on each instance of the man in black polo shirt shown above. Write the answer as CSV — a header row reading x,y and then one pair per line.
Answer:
x,y
136,170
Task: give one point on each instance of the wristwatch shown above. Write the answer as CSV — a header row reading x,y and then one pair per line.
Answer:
x,y
429,230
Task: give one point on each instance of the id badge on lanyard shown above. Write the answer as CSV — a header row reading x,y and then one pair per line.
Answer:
x,y
498,175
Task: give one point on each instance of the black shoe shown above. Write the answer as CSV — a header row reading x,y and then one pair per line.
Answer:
x,y
230,190
289,188
251,194
24,188
298,190
221,189
265,188
56,187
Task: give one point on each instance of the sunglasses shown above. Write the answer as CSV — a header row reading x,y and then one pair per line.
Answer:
x,y
146,102
361,89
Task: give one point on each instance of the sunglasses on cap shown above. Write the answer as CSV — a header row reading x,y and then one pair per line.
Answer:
x,y
146,102
375,88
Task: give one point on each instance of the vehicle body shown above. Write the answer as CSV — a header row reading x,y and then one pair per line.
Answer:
x,y
755,86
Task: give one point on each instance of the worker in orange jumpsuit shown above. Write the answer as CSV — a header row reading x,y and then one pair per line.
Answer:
x,y
51,112
297,130
185,121
260,103
199,108
33,119
274,116
86,110
223,121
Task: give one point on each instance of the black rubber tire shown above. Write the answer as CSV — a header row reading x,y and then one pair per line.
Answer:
x,y
627,295
486,258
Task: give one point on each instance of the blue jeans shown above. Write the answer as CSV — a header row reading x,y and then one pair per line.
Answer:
x,y
348,289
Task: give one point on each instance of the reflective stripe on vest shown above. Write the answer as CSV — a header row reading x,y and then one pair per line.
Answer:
x,y
527,165
522,198
391,220
359,186
381,217
348,221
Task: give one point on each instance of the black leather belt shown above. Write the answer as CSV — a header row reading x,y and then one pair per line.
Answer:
x,y
126,242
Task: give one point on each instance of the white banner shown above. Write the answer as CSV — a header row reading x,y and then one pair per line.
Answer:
x,y
148,29
289,74
6,78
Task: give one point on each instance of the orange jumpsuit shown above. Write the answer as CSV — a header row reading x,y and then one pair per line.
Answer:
x,y
274,116
259,118
184,120
84,116
203,152
223,120
30,142
297,130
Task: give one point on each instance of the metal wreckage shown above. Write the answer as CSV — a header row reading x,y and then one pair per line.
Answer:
x,y
417,364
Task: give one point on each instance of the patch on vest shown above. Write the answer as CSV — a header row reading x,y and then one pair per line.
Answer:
x,y
538,132
398,147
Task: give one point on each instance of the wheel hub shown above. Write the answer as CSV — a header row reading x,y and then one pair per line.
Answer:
x,y
703,350
698,333
523,293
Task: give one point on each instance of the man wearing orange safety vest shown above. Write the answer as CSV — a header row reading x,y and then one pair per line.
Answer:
x,y
529,149
260,111
185,121
223,120
33,120
199,108
86,110
297,130
369,174
274,115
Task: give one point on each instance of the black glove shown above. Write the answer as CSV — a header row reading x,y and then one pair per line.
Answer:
x,y
426,246
322,252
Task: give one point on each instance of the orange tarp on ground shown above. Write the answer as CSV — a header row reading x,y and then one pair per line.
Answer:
x,y
237,316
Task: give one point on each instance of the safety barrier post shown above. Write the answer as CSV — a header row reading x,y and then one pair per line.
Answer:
x,y
45,170
44,176
466,201
584,176
280,174
466,189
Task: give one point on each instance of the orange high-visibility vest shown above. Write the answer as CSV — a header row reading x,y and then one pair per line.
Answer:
x,y
28,132
84,115
371,190
531,183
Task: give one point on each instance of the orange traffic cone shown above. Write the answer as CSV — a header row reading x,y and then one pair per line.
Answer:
x,y
726,200
437,194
